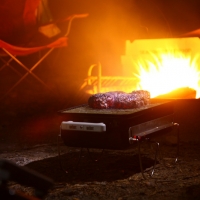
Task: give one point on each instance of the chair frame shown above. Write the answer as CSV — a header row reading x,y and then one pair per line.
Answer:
x,y
23,50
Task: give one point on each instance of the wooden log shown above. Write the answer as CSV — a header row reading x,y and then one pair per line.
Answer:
x,y
180,93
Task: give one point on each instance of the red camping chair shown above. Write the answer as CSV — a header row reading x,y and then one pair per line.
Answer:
x,y
14,52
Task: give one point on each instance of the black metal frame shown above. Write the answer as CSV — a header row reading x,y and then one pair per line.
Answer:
x,y
137,138
123,128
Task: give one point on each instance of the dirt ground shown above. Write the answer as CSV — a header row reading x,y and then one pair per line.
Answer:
x,y
111,174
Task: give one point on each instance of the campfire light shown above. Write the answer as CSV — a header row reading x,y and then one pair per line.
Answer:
x,y
167,68
164,66
166,72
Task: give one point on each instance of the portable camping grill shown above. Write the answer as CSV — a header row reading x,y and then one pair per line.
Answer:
x,y
115,129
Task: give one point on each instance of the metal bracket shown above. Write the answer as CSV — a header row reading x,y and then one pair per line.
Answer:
x,y
143,131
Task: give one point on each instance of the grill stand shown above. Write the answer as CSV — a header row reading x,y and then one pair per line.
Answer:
x,y
138,134
80,154
143,136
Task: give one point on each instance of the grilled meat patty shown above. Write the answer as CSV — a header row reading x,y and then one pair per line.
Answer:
x,y
119,100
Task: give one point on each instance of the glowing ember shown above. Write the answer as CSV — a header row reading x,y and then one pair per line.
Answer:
x,y
168,72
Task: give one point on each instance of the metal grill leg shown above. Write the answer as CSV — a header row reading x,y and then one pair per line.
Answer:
x,y
176,126
155,158
178,141
59,156
140,158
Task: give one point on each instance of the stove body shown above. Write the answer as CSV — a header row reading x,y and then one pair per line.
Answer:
x,y
113,125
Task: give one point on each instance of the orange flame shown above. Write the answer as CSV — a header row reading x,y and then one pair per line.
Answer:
x,y
167,72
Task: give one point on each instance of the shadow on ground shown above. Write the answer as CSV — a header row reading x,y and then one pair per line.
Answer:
x,y
110,167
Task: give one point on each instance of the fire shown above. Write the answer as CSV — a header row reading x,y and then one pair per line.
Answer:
x,y
167,72
165,67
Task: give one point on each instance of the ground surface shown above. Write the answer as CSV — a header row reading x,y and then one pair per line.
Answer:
x,y
116,175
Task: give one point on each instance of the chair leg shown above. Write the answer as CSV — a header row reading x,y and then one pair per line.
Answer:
x,y
7,63
29,71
